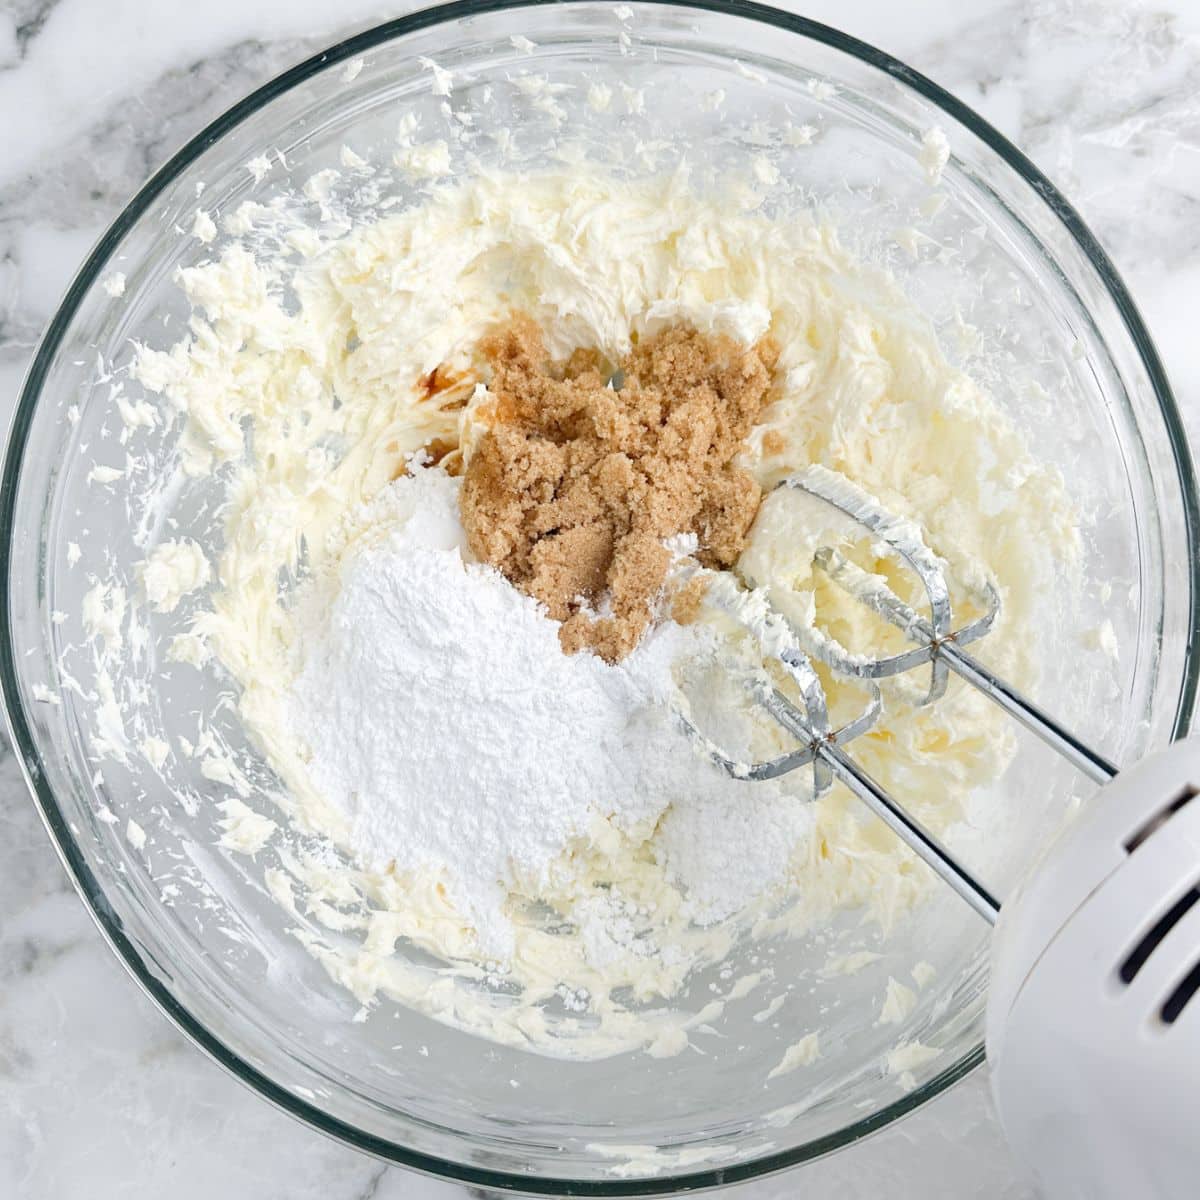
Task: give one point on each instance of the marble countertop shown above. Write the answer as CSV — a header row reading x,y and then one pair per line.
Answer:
x,y
99,1095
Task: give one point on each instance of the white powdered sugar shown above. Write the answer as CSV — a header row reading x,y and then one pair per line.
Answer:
x,y
441,716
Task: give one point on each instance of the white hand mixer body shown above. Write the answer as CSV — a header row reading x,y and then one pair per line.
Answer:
x,y
1093,1020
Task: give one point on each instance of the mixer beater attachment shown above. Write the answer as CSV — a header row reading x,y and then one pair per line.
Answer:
x,y
936,642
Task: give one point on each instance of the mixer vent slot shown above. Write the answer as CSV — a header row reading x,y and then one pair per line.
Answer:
x,y
1142,951
1160,818
1176,1002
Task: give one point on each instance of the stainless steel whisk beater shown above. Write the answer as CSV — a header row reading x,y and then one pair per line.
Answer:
x,y
937,643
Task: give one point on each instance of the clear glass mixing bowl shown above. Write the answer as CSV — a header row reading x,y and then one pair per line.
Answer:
x,y
1057,341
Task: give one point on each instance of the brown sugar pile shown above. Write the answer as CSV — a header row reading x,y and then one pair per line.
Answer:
x,y
573,488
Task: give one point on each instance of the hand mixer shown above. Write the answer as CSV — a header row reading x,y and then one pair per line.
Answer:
x,y
1093,1020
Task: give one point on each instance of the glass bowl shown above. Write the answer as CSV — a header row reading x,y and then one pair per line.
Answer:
x,y
1021,295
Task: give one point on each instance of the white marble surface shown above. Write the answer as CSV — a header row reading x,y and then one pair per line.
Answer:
x,y
99,1095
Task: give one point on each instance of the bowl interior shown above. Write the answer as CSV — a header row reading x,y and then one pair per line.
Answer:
x,y
1018,299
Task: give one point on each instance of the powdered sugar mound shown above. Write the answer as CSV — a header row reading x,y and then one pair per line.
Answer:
x,y
441,715
728,853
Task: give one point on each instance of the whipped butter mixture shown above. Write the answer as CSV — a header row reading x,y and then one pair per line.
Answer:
x,y
520,840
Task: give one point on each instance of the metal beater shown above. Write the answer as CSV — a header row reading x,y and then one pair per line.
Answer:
x,y
937,642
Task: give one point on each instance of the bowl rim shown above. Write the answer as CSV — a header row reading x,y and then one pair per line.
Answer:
x,y
20,731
